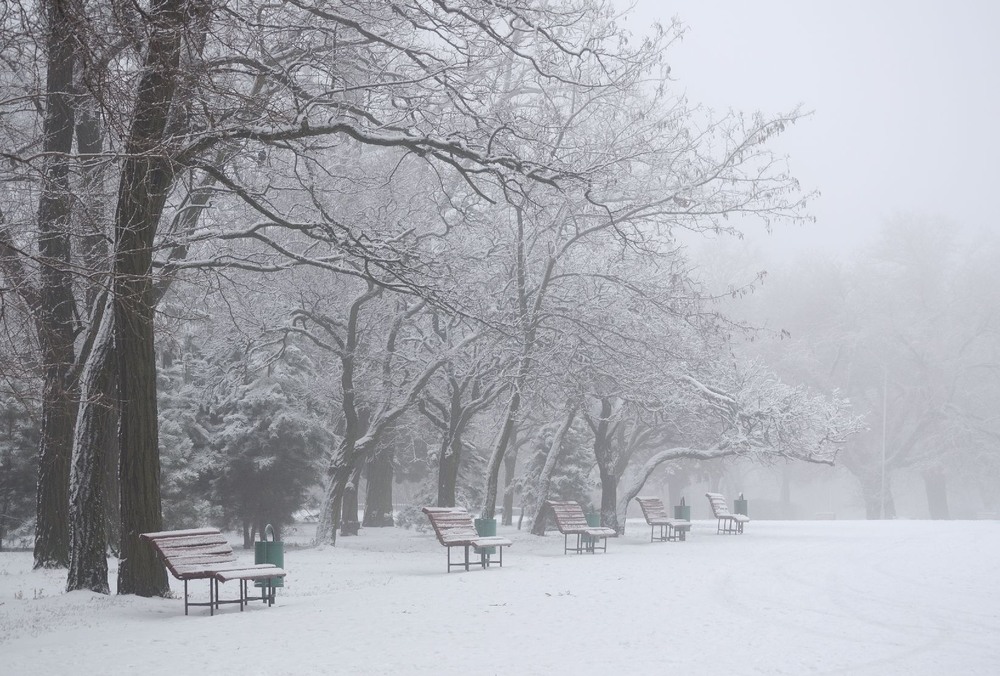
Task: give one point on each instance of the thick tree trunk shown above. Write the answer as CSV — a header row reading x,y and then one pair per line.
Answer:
x,y
338,477
56,301
330,507
606,465
378,489
451,456
88,563
145,181
609,501
936,485
349,516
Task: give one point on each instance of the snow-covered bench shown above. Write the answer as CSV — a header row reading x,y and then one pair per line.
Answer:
x,y
205,554
454,528
570,520
728,522
656,517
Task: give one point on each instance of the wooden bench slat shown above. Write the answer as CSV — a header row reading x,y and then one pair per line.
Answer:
x,y
260,572
200,550
163,534
196,541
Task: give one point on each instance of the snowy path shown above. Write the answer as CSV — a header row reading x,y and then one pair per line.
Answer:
x,y
846,597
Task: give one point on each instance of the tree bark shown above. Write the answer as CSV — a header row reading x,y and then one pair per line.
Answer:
x,y
499,449
349,516
88,563
56,307
509,467
378,489
609,500
606,465
146,179
451,448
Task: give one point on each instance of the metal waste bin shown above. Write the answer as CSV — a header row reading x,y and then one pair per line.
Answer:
x,y
272,552
486,528
740,506
593,521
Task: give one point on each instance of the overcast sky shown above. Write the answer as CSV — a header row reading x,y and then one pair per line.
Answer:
x,y
905,94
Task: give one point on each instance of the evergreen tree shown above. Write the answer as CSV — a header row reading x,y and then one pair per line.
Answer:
x,y
18,463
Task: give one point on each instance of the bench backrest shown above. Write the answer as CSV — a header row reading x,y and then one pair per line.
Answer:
x,y
187,551
569,515
719,506
452,525
652,508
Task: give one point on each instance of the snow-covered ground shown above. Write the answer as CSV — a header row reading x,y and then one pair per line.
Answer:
x,y
805,597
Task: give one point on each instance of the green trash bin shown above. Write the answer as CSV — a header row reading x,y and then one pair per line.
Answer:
x,y
740,506
594,521
486,528
682,512
272,552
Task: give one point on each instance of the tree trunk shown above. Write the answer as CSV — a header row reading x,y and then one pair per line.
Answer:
x,y
88,563
451,454
936,485
871,491
146,178
338,476
609,501
606,465
378,489
349,516
496,457
56,302
509,466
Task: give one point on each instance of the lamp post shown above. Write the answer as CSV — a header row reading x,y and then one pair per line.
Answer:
x,y
885,387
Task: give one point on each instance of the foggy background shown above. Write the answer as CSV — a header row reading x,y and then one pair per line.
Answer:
x,y
900,147
904,112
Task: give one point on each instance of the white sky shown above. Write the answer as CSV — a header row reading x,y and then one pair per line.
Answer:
x,y
905,95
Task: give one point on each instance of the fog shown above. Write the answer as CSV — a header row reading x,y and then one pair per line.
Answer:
x,y
353,259
904,115
900,146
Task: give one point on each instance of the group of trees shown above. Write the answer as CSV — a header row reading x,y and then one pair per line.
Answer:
x,y
906,327
348,229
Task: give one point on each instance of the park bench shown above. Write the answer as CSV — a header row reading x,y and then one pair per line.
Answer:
x,y
454,528
728,522
205,554
570,520
656,517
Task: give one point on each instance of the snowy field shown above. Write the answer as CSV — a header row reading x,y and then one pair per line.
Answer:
x,y
804,597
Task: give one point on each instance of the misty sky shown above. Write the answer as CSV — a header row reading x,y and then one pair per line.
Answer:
x,y
904,93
